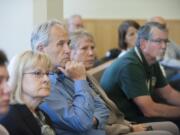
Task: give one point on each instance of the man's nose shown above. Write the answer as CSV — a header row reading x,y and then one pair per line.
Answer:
x,y
66,48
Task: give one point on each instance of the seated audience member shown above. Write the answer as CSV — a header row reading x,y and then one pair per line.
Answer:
x,y
127,35
4,90
72,106
74,23
171,60
30,84
126,40
83,50
133,80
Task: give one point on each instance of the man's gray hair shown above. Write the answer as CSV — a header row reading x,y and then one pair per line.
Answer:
x,y
77,35
40,34
145,31
71,18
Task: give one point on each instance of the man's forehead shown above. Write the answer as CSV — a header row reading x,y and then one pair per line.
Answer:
x,y
59,28
59,32
155,32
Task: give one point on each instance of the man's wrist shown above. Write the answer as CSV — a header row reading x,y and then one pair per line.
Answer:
x,y
95,123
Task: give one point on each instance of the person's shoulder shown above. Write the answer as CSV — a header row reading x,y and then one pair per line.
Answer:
x,y
18,107
53,77
3,130
127,59
11,117
15,111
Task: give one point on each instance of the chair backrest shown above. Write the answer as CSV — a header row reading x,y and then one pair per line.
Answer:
x,y
110,55
98,71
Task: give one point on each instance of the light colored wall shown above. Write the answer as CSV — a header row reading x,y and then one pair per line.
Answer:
x,y
39,11
102,17
15,25
55,9
47,9
121,9
18,17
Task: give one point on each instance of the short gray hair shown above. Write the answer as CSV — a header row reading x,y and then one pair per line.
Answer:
x,y
77,35
40,34
145,31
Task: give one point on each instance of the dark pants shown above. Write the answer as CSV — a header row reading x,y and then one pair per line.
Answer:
x,y
175,83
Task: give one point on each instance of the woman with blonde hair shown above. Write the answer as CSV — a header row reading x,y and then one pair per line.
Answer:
x,y
30,84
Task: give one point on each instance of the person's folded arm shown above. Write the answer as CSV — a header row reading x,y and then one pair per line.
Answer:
x,y
170,95
152,109
76,114
101,112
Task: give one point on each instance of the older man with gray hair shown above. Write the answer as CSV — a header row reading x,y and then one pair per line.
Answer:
x,y
72,104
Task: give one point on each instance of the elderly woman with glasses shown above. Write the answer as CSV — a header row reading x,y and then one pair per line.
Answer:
x,y
30,84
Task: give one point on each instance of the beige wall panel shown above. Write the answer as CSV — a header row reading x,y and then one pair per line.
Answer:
x,y
105,32
174,30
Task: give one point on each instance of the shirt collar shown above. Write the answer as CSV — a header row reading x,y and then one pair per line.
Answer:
x,y
142,59
57,75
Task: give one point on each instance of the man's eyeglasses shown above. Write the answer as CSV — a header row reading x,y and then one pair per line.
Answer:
x,y
38,74
159,41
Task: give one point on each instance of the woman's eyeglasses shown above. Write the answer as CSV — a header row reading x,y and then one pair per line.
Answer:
x,y
38,74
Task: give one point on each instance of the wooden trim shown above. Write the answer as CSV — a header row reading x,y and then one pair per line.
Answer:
x,y
105,32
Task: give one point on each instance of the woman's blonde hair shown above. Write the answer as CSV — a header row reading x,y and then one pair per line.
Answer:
x,y
19,65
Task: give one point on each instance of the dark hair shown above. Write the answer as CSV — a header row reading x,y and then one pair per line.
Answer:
x,y
145,31
122,30
3,58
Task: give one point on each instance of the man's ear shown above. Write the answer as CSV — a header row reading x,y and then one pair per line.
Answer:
x,y
40,48
143,44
